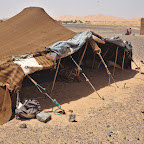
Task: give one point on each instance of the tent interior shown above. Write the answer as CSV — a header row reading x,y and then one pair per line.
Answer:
x,y
30,32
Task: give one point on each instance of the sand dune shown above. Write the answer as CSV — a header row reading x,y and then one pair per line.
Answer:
x,y
97,18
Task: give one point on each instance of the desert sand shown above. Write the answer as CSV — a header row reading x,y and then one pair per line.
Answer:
x,y
117,119
100,19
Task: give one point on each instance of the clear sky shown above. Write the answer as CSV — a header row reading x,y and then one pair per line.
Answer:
x,y
119,8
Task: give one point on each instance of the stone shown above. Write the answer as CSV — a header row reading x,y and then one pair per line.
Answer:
x,y
23,125
72,118
43,117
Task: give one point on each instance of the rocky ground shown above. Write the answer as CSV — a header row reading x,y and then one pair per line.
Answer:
x,y
117,119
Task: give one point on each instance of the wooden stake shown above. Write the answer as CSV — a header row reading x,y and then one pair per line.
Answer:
x,y
93,61
108,72
103,57
115,60
82,57
123,60
56,75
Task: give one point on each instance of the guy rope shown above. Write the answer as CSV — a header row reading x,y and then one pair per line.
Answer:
x,y
80,70
43,91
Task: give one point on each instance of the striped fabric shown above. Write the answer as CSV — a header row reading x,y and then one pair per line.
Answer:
x,y
12,74
47,61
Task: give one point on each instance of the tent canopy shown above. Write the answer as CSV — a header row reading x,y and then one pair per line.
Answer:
x,y
27,43
30,31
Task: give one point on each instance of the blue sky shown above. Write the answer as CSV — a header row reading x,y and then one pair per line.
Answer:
x,y
119,8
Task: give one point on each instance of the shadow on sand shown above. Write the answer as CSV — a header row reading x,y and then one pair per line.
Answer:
x,y
65,92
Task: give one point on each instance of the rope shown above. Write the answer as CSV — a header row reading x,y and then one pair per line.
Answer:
x,y
80,69
103,57
108,72
17,104
43,91
18,100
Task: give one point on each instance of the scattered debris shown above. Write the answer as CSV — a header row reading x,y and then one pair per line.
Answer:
x,y
124,85
109,135
72,118
23,125
43,117
142,61
71,111
138,139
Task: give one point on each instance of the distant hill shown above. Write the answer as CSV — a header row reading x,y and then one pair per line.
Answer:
x,y
98,18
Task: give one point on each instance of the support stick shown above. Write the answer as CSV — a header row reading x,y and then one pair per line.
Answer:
x,y
82,56
93,61
92,85
115,60
107,68
79,68
123,60
103,57
56,74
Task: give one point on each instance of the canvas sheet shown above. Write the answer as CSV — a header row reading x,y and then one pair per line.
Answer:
x,y
65,48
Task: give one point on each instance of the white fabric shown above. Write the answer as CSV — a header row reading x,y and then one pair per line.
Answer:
x,y
29,65
68,52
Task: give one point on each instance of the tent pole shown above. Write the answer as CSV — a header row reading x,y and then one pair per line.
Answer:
x,y
109,80
80,69
123,60
115,60
55,75
133,61
107,68
92,86
103,57
82,57
93,61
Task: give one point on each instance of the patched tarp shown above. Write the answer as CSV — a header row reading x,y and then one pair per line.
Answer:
x,y
65,48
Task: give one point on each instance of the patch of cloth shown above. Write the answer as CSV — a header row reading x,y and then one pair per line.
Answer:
x,y
29,65
11,75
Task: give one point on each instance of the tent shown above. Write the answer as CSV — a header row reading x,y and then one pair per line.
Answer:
x,y
32,41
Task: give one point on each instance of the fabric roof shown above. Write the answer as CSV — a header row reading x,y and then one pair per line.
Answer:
x,y
30,31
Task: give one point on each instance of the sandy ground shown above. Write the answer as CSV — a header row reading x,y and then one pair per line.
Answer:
x,y
117,119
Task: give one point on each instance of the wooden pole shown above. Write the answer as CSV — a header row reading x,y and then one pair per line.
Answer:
x,y
93,61
82,57
108,72
103,57
115,60
56,74
123,60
